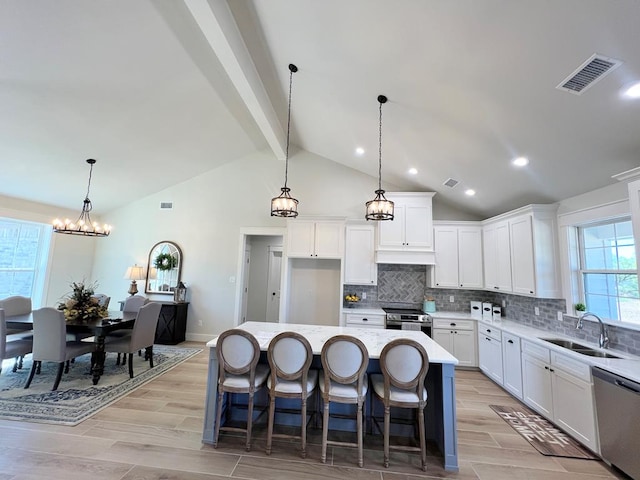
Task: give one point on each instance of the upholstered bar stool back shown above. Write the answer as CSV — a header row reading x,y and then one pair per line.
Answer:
x,y
12,349
290,357
238,353
404,364
343,380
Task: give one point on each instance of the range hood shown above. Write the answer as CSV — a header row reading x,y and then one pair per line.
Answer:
x,y
406,257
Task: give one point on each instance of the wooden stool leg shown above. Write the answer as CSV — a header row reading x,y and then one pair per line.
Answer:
x,y
249,420
387,421
360,436
325,431
423,445
218,416
272,414
303,429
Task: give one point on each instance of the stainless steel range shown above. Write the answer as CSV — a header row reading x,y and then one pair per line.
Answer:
x,y
408,319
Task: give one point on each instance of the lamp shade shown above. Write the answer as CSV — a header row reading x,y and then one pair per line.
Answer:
x,y
135,273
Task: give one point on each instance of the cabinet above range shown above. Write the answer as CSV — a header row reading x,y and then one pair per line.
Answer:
x,y
408,238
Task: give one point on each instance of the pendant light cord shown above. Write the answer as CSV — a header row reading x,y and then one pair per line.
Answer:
x,y
292,69
380,150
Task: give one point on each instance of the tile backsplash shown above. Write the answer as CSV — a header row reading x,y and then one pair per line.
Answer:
x,y
406,286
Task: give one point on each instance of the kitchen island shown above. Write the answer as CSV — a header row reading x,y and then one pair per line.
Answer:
x,y
440,413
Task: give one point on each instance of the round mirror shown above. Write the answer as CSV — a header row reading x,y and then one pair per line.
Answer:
x,y
164,268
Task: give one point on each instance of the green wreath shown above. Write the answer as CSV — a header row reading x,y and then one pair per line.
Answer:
x,y
165,261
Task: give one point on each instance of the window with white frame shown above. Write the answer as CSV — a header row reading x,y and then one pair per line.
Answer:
x,y
608,273
24,251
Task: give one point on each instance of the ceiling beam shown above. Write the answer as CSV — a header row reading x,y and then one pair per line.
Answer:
x,y
215,20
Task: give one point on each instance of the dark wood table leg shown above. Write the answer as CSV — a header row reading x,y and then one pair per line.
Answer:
x,y
99,356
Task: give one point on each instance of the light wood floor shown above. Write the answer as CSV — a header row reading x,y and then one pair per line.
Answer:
x,y
155,433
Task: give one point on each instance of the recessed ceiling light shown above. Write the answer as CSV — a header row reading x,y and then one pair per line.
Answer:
x,y
413,171
470,192
359,151
633,91
520,161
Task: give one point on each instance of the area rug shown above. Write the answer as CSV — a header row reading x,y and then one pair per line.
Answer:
x,y
540,433
77,398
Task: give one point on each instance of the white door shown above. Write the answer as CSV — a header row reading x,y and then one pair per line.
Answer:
x,y
245,281
273,284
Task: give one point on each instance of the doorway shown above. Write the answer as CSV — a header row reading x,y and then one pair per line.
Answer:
x,y
259,278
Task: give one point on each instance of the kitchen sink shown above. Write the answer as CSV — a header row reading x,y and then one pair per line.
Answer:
x,y
579,348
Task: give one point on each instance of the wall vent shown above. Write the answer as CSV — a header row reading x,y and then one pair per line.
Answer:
x,y
166,205
589,73
450,182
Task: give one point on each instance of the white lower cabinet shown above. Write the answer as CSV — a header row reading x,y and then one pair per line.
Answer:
x,y
512,364
458,337
364,320
490,352
560,388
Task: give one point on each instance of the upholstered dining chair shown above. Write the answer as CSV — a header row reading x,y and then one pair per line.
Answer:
x,y
404,364
290,357
103,300
142,335
12,349
17,305
238,353
50,342
343,379
131,304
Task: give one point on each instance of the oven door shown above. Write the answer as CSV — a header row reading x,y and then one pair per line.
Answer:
x,y
415,326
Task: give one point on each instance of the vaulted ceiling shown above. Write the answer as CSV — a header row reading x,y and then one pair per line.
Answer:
x,y
161,91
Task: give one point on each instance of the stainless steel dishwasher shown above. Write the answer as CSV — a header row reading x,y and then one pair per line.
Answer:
x,y
617,407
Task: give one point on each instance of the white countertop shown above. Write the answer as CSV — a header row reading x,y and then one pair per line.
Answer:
x,y
374,339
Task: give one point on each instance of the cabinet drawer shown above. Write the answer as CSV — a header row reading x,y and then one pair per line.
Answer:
x,y
571,366
355,320
536,351
453,323
490,331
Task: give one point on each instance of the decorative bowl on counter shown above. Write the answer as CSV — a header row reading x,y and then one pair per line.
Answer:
x,y
351,300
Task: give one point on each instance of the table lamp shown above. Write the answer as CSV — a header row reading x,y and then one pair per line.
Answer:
x,y
134,273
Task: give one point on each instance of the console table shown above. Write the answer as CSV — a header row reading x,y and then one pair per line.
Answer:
x,y
172,323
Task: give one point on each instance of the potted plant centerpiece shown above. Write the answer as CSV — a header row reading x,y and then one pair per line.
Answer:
x,y
80,305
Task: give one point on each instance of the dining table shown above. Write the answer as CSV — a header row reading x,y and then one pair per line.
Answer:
x,y
97,328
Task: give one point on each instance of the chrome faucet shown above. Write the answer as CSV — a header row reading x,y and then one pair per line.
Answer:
x,y
604,332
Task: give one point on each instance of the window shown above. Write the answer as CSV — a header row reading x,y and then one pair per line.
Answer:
x,y
24,250
608,274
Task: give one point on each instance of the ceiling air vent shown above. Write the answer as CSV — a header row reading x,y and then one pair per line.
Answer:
x,y
596,67
450,182
166,205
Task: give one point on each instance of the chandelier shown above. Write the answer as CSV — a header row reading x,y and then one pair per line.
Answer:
x,y
380,208
284,205
84,225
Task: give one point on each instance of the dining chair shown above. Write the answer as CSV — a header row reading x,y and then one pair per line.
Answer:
x,y
238,353
142,335
17,305
290,355
131,304
103,300
343,379
12,349
404,364
50,342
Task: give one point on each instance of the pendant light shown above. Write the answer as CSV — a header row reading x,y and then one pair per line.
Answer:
x,y
83,226
380,208
284,205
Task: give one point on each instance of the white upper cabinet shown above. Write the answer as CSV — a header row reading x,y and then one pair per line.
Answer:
x,y
521,252
408,238
360,267
458,248
315,239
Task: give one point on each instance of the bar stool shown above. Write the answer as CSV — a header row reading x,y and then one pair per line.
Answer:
x,y
290,356
343,380
238,353
404,364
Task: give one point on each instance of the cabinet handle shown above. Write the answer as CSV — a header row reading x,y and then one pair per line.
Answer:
x,y
365,319
452,324
461,285
546,368
551,370
509,341
487,338
488,330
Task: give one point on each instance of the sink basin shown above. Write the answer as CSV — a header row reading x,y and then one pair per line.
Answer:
x,y
579,348
566,344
